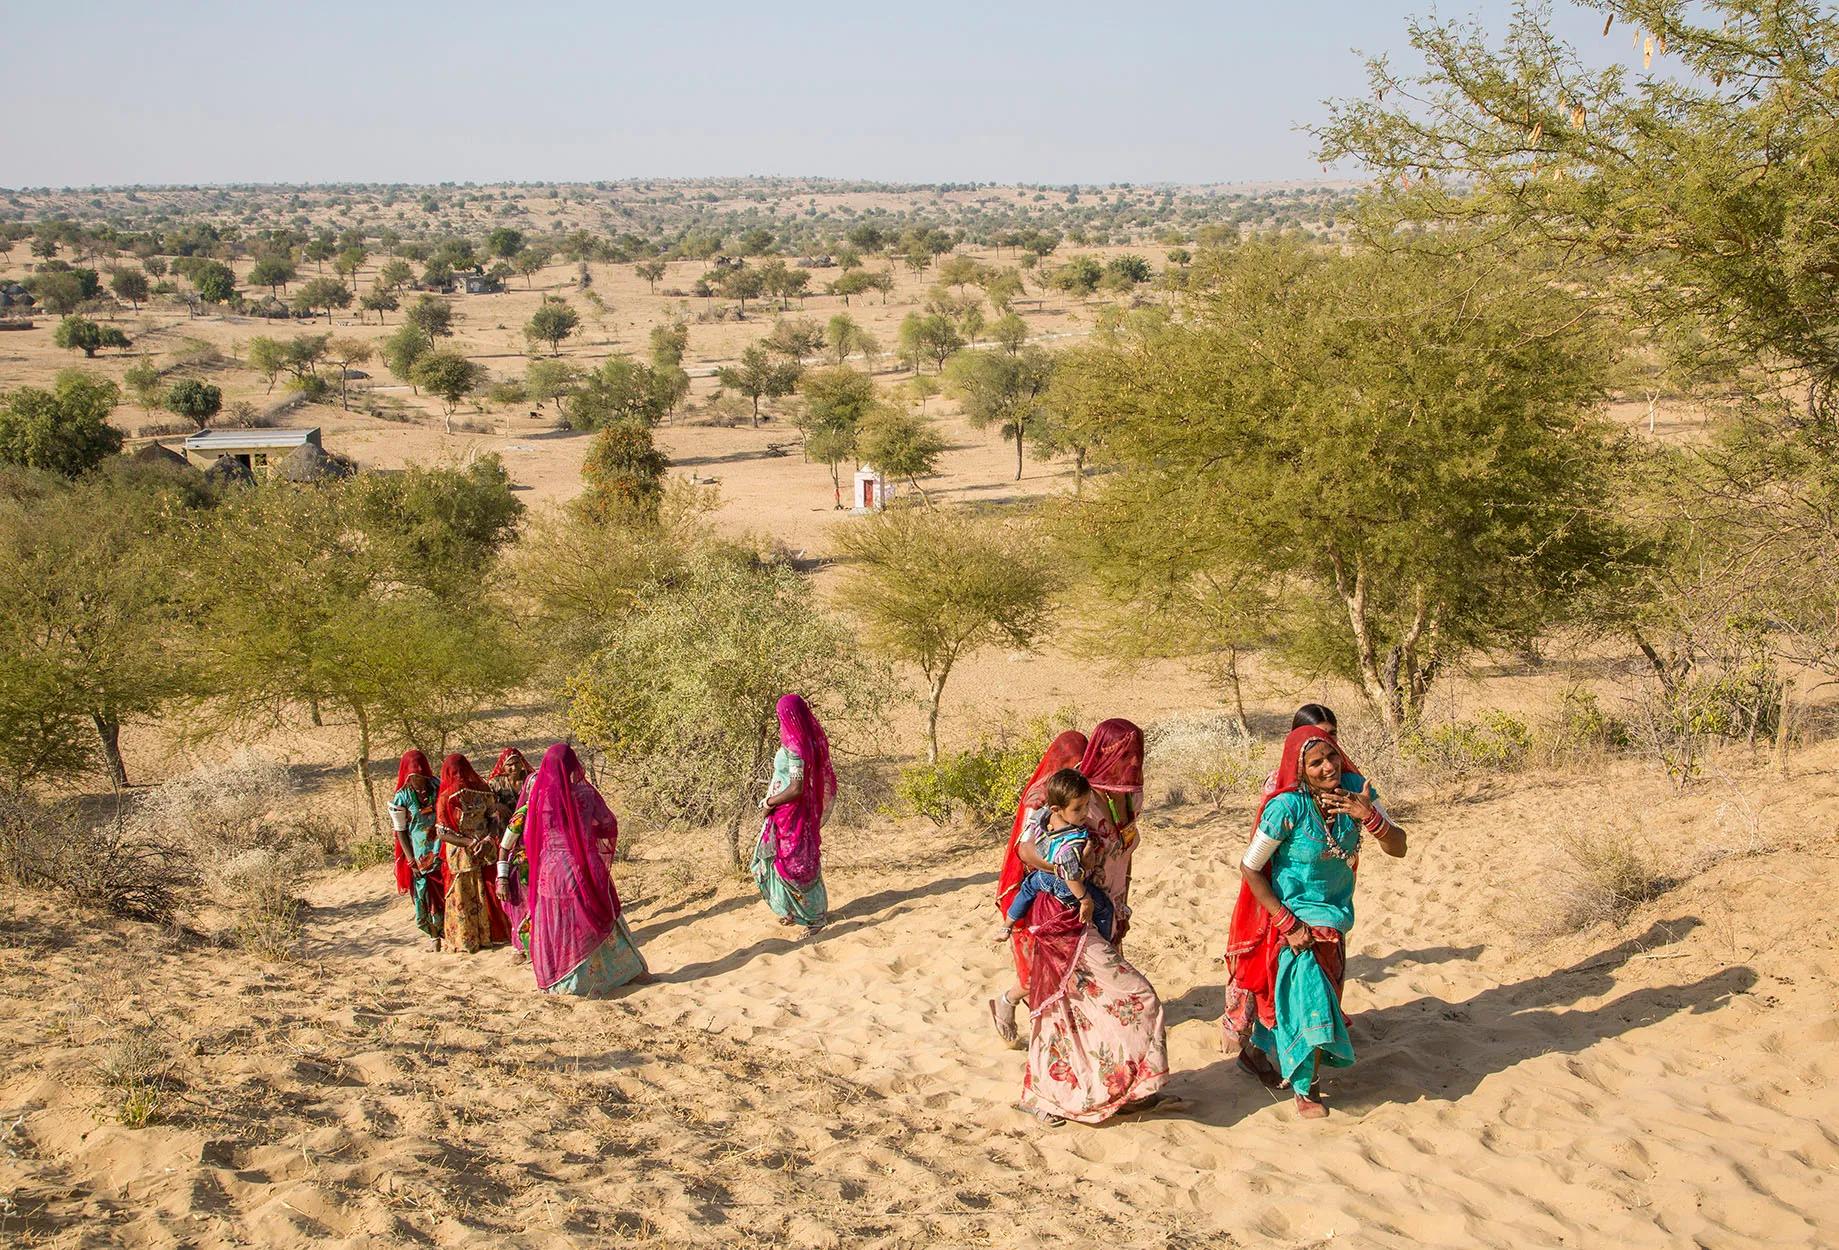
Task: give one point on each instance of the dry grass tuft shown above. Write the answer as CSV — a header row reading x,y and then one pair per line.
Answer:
x,y
54,848
1203,759
136,1072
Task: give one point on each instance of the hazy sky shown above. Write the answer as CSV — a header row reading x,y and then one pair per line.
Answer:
x,y
184,91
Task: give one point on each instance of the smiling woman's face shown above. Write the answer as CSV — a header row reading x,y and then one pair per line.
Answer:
x,y
1321,765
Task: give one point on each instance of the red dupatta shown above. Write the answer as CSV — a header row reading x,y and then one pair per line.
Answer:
x,y
457,775
1253,943
1063,752
506,758
414,763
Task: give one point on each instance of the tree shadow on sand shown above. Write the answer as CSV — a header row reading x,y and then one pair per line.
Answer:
x,y
1430,1048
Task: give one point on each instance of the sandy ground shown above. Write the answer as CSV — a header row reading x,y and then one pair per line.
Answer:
x,y
1665,1083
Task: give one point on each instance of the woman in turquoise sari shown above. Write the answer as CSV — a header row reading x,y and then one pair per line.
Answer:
x,y
787,863
1287,954
419,863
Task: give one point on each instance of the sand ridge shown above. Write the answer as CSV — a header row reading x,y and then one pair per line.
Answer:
x,y
1664,1083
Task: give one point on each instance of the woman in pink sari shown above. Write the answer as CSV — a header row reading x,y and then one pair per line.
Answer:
x,y
1097,1043
787,863
579,943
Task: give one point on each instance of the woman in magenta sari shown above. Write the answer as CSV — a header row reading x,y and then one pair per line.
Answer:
x,y
1097,1043
787,864
579,943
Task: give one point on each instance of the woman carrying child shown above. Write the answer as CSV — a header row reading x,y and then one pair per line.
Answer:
x,y
1286,956
787,860
1064,752
1097,1044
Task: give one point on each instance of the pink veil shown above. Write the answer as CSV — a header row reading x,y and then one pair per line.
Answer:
x,y
568,923
796,825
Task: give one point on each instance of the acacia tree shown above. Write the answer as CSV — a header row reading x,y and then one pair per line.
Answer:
x,y
681,697
1685,198
932,586
194,400
651,271
836,403
304,601
624,474
1004,389
901,444
64,430
91,629
129,284
348,353
552,322
759,376
450,377
1412,447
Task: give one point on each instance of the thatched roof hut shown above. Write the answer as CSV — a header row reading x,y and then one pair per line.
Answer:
x,y
227,470
310,463
158,453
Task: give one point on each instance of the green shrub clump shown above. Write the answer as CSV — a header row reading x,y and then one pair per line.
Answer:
x,y
979,786
1492,742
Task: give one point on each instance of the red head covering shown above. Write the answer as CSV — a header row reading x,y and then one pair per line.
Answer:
x,y
413,764
1064,752
1114,757
506,758
1252,943
457,774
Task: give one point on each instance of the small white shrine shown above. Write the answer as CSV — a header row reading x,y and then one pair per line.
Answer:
x,y
871,492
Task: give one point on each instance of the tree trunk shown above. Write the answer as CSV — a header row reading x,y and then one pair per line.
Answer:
x,y
746,804
313,712
109,731
1079,471
1353,596
1660,667
932,715
367,785
1018,453
1240,722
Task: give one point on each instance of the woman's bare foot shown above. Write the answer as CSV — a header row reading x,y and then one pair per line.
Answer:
x,y
1310,1108
787,920
434,944
1045,1117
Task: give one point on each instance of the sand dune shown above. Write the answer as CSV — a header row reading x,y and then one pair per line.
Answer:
x,y
1668,1082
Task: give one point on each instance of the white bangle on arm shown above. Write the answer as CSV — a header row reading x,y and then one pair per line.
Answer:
x,y
1259,853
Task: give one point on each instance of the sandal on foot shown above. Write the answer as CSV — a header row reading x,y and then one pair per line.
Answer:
x,y
1256,1066
1045,1117
1309,1108
1002,1015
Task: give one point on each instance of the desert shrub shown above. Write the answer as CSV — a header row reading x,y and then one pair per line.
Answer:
x,y
1201,758
1605,871
197,354
311,387
369,850
137,1071
227,817
1492,742
471,425
240,415
258,887
101,863
979,786
160,429
1578,728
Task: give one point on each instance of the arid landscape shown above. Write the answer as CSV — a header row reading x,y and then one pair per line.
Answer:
x,y
1515,452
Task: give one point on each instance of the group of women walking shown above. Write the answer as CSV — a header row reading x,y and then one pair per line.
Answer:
x,y
1095,1038
523,857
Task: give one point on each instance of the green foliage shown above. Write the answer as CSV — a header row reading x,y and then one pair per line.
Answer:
x,y
760,376
1080,276
1459,404
432,316
402,350
504,242
214,282
1494,742
681,697
1003,389
91,631
322,293
60,291
64,430
81,334
193,400
900,444
837,401
552,322
448,375
932,587
142,378
929,336
980,785
129,284
273,270
651,271
550,381
437,527
624,474
622,389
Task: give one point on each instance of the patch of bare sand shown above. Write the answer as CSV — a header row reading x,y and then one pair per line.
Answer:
x,y
1665,1083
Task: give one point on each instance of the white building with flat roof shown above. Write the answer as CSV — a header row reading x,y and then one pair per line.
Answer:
x,y
255,450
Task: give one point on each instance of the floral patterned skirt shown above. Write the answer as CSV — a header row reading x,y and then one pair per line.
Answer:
x,y
1099,1042
468,923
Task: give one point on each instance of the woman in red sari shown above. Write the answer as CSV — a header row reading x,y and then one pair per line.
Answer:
x,y
1064,752
1097,1042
